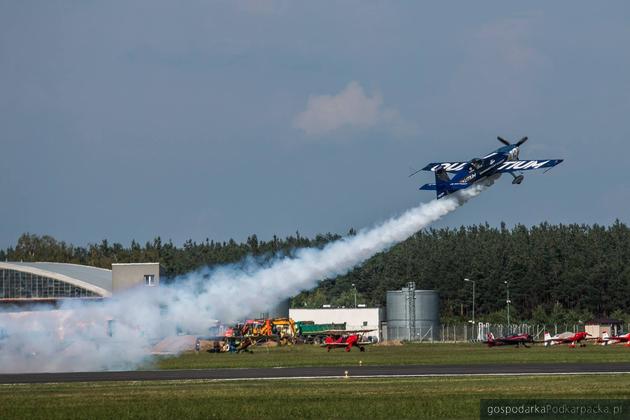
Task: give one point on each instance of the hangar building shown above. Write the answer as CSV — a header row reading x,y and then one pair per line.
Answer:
x,y
354,318
32,282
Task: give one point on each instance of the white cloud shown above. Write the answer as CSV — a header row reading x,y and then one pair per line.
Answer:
x,y
351,108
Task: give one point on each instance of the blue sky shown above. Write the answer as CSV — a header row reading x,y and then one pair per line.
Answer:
x,y
133,119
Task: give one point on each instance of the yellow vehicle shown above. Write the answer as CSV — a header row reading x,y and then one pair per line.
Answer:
x,y
281,329
285,328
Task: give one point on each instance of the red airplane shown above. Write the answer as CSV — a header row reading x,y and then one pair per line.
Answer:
x,y
510,340
567,338
614,339
345,339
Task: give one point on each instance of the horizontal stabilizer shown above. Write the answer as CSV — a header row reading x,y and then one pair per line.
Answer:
x,y
454,186
445,188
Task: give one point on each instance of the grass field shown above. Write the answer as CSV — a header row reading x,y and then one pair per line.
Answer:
x,y
451,398
409,354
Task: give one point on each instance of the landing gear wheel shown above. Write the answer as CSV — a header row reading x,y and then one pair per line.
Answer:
x,y
517,179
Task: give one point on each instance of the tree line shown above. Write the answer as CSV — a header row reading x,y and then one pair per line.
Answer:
x,y
555,273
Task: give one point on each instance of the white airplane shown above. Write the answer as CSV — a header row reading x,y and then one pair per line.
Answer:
x,y
614,339
566,338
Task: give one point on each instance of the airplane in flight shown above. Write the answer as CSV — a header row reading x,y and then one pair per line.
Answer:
x,y
486,169
567,338
510,340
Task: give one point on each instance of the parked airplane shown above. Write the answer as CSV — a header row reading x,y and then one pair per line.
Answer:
x,y
346,339
510,340
614,339
567,338
479,170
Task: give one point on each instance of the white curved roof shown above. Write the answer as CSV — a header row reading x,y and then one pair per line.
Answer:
x,y
94,279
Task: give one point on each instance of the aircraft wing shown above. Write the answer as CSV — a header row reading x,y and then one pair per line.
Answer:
x,y
526,165
243,337
343,332
557,340
357,331
510,340
334,345
449,166
359,343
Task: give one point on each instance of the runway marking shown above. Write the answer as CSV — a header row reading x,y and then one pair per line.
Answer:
x,y
278,373
419,375
350,376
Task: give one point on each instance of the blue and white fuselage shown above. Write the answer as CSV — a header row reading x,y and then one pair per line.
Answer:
x,y
478,170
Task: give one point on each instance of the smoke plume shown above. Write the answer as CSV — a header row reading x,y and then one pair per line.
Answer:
x,y
118,333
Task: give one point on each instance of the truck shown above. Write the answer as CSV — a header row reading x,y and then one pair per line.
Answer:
x,y
312,333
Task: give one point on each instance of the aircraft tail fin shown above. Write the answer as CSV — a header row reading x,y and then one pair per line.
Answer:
x,y
429,187
441,176
443,184
547,339
442,190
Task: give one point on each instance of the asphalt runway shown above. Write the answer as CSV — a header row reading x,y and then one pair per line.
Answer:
x,y
321,372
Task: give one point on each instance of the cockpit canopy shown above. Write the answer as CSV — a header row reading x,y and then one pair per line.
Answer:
x,y
476,163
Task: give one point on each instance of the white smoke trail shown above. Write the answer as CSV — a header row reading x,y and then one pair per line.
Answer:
x,y
79,338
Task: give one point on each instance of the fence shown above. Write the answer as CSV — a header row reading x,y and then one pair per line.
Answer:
x,y
418,334
459,333
456,333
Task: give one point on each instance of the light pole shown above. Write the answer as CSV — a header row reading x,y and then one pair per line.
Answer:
x,y
507,300
355,295
473,306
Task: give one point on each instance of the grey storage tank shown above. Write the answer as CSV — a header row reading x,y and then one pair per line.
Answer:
x,y
412,314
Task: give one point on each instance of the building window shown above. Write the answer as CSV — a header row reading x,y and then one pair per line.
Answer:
x,y
149,279
365,323
21,285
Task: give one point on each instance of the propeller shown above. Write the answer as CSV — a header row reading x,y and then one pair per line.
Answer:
x,y
521,141
507,143
502,140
